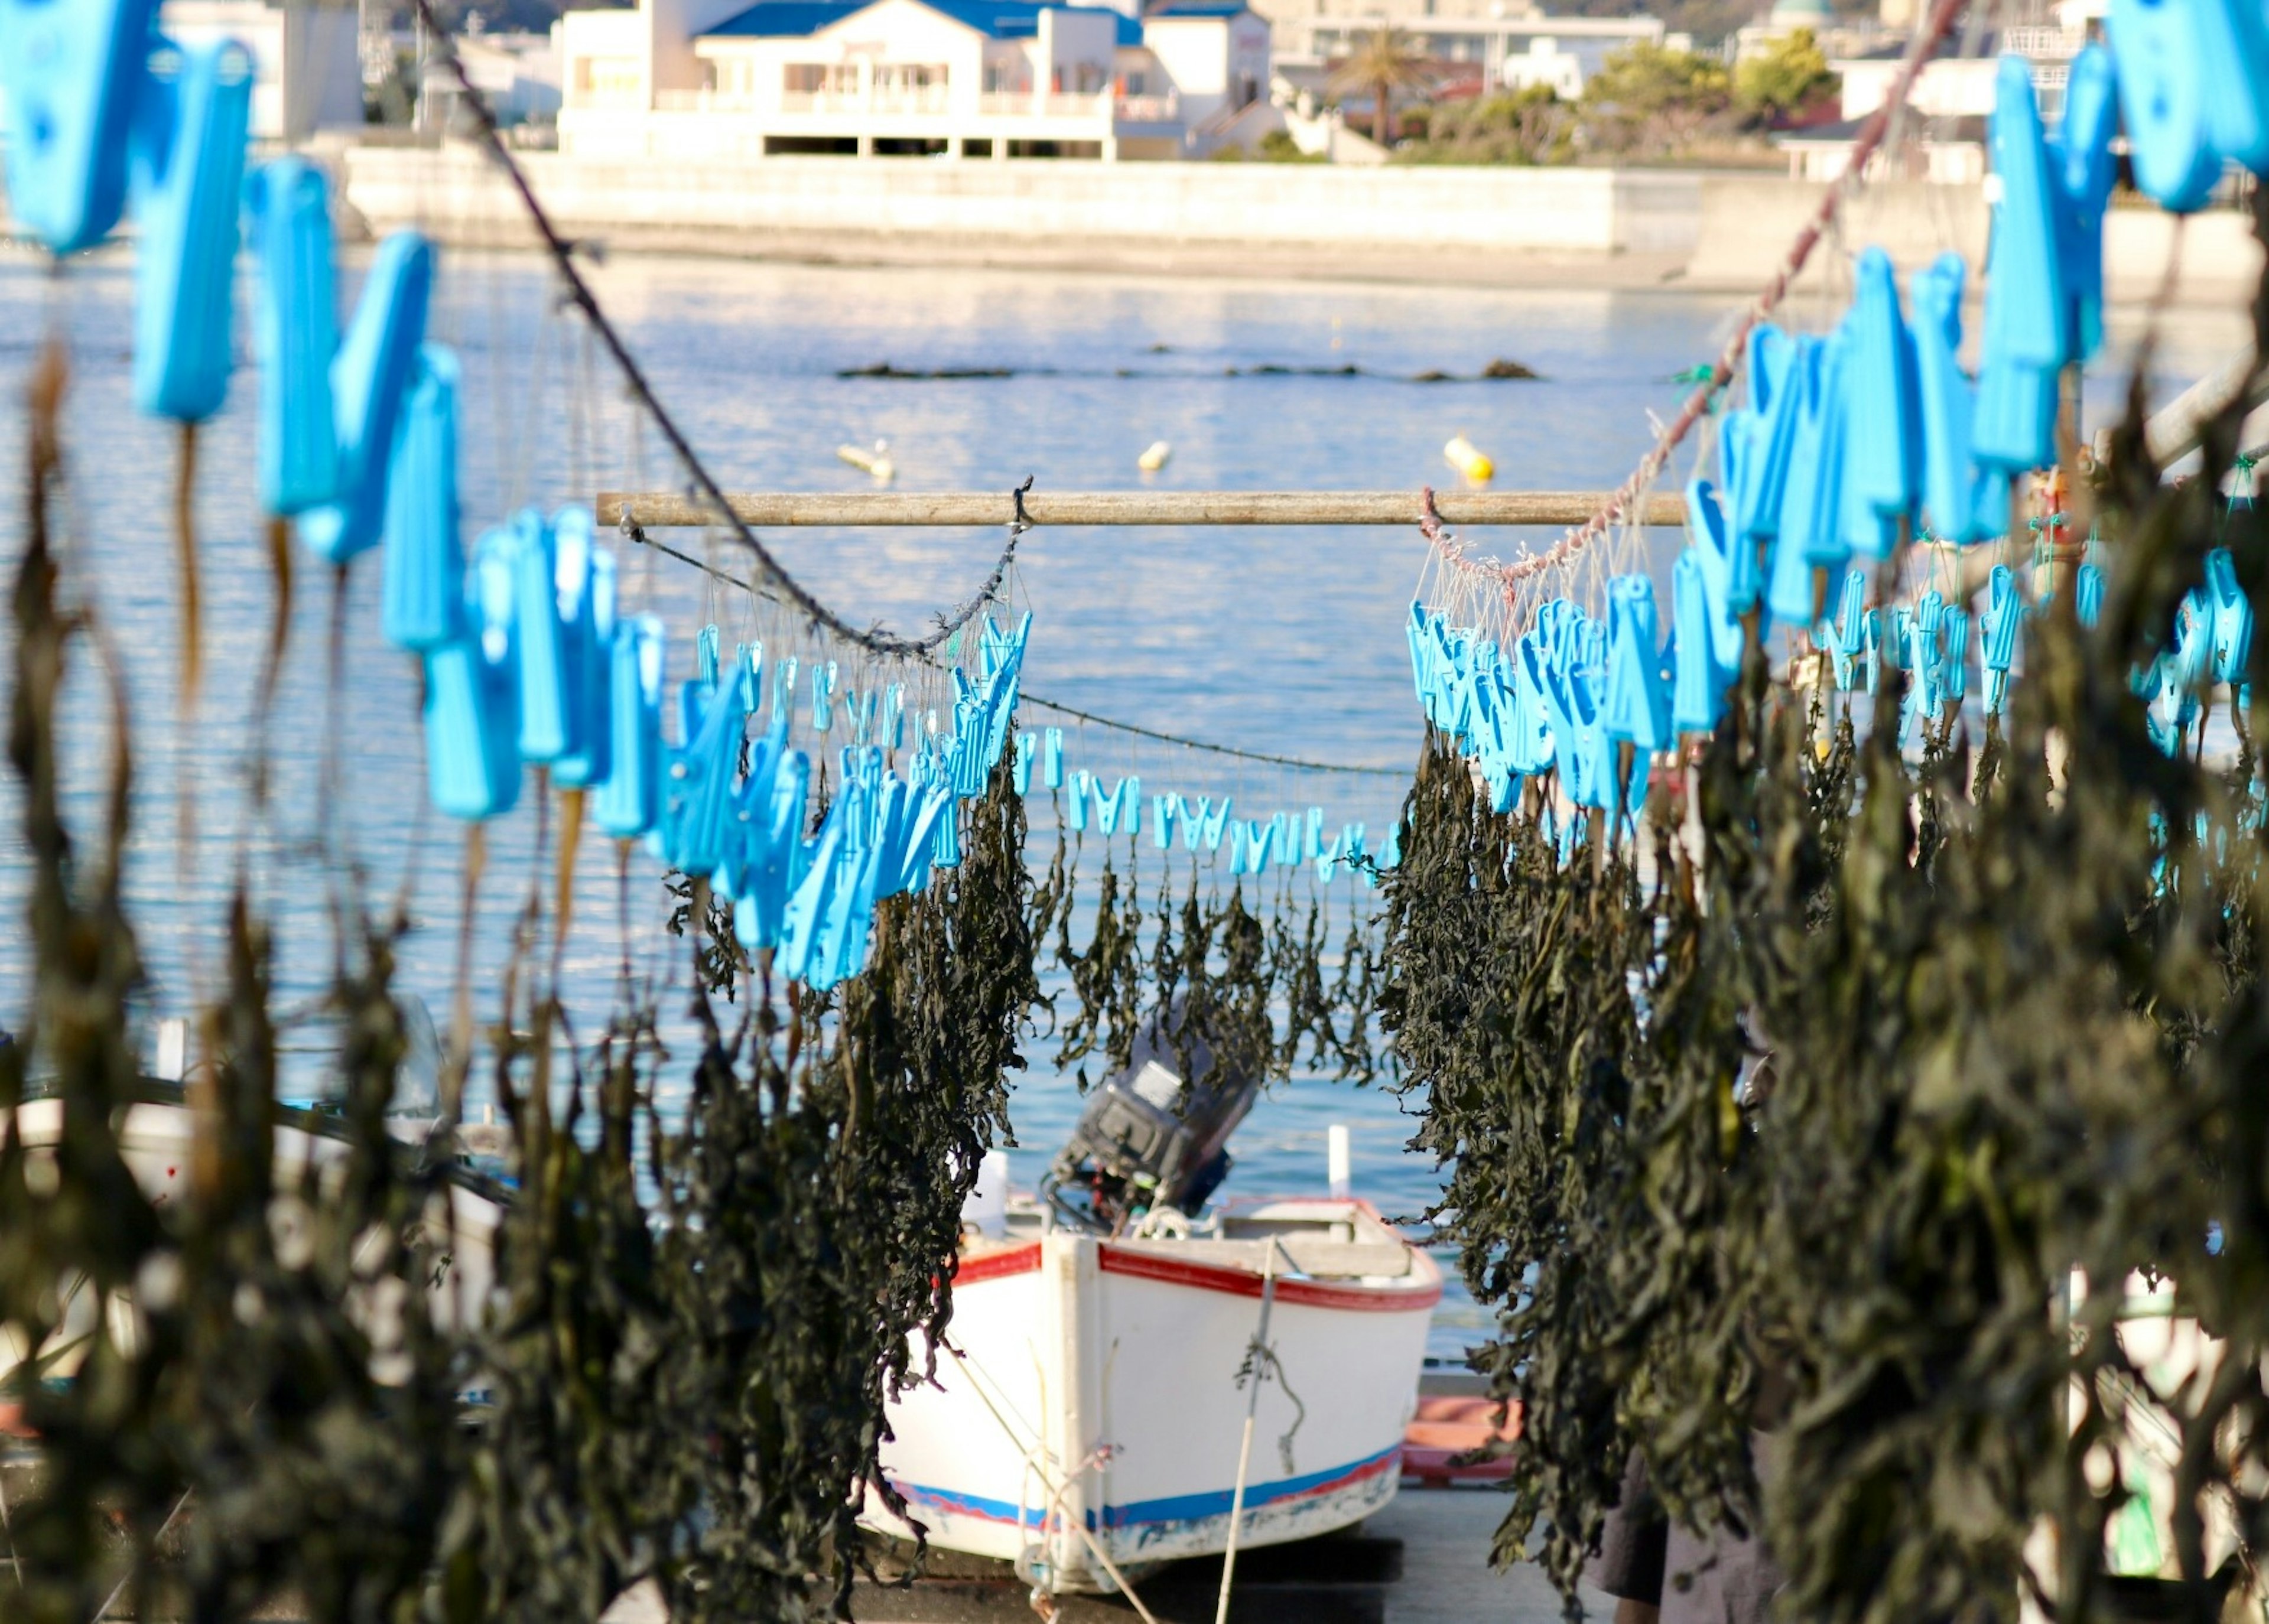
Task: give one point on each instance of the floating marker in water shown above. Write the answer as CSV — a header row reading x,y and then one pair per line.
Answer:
x,y
1469,460
368,380
294,333
187,170
421,604
1155,458
70,72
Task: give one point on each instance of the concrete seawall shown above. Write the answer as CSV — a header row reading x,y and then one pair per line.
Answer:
x,y
1619,228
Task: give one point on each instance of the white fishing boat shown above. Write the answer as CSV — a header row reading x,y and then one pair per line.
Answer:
x,y
1089,1419
157,1139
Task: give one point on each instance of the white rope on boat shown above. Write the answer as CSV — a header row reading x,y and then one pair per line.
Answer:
x,y
1245,1449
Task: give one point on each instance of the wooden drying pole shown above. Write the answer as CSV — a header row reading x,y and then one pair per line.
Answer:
x,y
659,510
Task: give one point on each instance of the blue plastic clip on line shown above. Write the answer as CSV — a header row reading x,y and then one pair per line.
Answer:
x,y
70,76
1162,820
946,853
1052,759
1698,696
584,587
1075,805
1845,632
1106,806
2234,48
1997,635
368,380
2233,617
1773,357
1721,561
2162,81
2024,284
1637,708
1028,751
187,183
294,334
471,768
1882,458
629,797
547,716
1210,824
1947,398
1954,653
2088,591
823,696
421,602
2085,170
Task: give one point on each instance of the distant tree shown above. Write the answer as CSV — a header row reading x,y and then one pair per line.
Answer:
x,y
1527,126
1786,80
1650,98
1383,61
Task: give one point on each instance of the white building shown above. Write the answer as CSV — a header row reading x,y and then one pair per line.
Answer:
x,y
517,75
307,72
1510,42
950,78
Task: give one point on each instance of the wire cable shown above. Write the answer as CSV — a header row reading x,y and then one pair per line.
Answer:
x,y
1029,698
875,640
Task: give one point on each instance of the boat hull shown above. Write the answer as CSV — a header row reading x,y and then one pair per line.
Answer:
x,y
1092,1402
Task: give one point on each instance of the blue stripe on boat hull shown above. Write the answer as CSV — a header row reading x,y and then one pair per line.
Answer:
x,y
1171,1508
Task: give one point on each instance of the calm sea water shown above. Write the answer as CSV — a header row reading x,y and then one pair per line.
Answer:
x,y
1286,641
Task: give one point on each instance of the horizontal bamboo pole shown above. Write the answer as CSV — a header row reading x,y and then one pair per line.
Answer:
x,y
658,510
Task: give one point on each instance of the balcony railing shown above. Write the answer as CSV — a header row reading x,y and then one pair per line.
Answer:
x,y
911,99
1025,104
702,101
1149,109
2044,44
822,101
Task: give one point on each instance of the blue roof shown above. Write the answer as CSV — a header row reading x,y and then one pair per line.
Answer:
x,y
998,19
1200,8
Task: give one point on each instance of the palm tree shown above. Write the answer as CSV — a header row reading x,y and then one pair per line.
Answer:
x,y
1382,61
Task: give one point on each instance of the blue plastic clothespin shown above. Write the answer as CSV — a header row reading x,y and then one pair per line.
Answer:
x,y
472,708
1882,456
1698,696
1773,359
2088,591
2085,170
1996,628
1163,809
1193,819
1844,631
369,378
1954,653
587,617
2162,81
629,798
294,333
1075,805
1028,752
1721,559
1210,824
2233,618
188,184
1636,708
1947,398
422,596
2025,300
546,714
70,74
1052,773
823,696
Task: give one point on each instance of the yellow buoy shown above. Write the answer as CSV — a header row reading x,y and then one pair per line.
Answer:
x,y
876,462
1151,460
1469,460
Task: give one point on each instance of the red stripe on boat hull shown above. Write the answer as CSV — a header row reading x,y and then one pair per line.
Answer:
x,y
1246,1283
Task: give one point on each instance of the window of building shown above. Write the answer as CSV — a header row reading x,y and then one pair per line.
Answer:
x,y
1091,77
811,78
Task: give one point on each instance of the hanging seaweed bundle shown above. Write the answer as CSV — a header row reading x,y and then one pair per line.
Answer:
x,y
1923,1131
811,1204
238,1392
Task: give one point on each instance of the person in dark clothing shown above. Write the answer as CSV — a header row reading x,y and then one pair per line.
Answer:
x,y
1661,1573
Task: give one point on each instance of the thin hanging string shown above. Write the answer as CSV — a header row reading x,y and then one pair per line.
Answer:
x,y
875,639
1727,366
933,671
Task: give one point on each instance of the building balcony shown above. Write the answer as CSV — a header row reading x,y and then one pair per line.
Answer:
x,y
702,101
1148,109
1055,104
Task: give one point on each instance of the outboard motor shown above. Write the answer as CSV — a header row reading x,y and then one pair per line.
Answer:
x,y
1150,1137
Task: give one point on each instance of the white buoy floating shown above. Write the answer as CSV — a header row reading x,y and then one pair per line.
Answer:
x,y
877,463
1151,460
1469,460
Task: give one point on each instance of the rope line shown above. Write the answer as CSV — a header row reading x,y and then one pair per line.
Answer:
x,y
875,639
1028,697
1728,364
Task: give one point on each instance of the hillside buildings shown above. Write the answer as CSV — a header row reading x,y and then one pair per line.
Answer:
x,y
947,78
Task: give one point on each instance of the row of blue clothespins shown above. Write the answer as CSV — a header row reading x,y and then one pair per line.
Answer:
x,y
1282,840
537,668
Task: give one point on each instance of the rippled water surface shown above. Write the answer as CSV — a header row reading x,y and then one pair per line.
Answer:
x,y
1287,641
